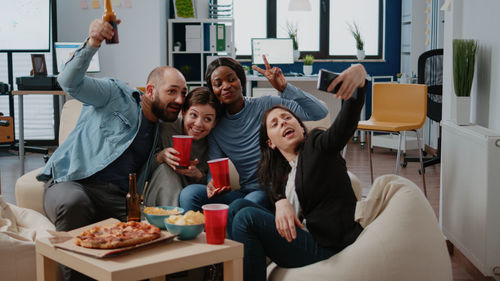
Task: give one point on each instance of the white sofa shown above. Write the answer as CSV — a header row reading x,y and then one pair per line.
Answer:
x,y
401,240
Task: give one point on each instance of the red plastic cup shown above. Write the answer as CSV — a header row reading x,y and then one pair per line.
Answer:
x,y
183,145
219,168
215,222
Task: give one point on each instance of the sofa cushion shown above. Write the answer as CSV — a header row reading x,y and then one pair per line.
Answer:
x,y
29,191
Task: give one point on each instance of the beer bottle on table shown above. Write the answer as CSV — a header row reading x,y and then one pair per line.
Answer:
x,y
133,200
110,16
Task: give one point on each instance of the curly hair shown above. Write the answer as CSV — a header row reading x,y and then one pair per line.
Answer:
x,y
229,62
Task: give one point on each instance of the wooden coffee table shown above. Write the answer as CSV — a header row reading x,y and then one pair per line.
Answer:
x,y
153,261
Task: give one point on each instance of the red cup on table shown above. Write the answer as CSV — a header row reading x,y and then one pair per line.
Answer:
x,y
182,144
219,168
215,222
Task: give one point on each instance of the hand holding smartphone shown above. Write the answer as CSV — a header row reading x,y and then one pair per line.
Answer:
x,y
325,78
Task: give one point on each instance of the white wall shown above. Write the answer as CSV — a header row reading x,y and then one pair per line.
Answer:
x,y
142,35
479,20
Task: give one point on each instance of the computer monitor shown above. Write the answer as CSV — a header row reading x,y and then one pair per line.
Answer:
x,y
277,50
64,51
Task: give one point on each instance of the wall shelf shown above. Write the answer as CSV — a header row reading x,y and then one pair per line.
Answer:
x,y
201,40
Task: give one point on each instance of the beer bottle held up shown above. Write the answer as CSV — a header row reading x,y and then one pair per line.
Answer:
x,y
133,200
110,16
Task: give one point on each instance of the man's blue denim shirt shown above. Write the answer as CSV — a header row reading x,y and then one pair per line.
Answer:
x,y
108,123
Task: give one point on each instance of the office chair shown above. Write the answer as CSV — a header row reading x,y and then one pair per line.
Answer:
x,y
397,108
430,73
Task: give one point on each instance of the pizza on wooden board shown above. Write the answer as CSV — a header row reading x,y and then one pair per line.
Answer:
x,y
118,235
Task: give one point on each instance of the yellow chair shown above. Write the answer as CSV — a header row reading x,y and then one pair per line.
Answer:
x,y
397,108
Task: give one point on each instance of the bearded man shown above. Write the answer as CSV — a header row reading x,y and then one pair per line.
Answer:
x,y
116,134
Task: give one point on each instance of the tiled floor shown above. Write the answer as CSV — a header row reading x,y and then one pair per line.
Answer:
x,y
357,160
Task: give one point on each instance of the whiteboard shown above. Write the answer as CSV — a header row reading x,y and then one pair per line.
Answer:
x,y
25,25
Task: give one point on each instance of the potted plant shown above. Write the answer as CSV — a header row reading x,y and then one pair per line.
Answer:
x,y
292,33
247,69
186,71
360,44
177,46
464,57
308,61
402,78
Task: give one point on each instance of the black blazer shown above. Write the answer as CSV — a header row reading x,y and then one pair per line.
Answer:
x,y
322,184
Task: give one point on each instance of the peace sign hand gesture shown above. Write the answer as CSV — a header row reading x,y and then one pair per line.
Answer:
x,y
274,75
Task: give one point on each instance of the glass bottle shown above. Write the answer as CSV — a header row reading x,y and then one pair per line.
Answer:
x,y
110,16
133,200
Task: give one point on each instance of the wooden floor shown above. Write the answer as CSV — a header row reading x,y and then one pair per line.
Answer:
x,y
357,161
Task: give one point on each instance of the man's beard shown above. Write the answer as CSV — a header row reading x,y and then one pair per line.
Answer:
x,y
162,113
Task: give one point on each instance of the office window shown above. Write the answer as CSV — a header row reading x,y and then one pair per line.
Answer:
x,y
38,109
322,32
365,14
305,21
250,21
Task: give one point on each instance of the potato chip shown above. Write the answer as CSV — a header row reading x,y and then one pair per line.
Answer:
x,y
189,218
160,211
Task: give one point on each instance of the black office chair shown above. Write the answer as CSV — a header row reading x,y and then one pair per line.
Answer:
x,y
430,73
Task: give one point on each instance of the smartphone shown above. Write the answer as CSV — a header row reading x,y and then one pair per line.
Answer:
x,y
325,78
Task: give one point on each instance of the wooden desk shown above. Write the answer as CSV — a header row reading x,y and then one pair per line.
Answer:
x,y
153,261
20,95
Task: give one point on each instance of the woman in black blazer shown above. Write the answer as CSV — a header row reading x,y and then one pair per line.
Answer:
x,y
311,190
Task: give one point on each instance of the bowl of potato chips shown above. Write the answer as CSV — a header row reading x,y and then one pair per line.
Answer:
x,y
156,215
187,226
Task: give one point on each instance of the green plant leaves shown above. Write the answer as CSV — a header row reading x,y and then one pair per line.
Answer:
x,y
357,35
184,8
292,30
464,58
308,60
